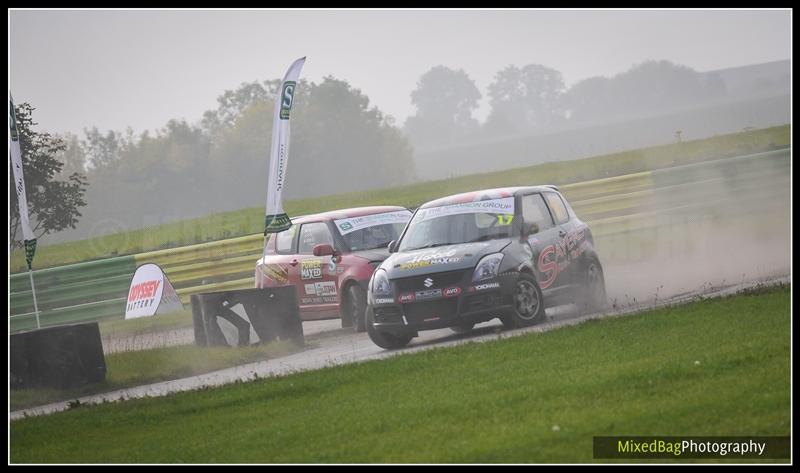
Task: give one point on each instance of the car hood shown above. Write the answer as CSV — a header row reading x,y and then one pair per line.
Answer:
x,y
440,258
377,254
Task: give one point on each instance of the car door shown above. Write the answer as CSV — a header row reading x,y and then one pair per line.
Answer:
x,y
317,287
544,243
566,237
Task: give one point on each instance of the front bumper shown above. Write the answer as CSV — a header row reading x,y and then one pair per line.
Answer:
x,y
438,307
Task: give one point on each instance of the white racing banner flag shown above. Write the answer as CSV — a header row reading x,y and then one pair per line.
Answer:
x,y
151,293
19,183
277,220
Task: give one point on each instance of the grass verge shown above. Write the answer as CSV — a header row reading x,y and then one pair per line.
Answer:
x,y
250,221
136,368
712,367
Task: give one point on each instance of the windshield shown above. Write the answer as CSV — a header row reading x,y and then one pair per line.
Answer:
x,y
372,231
460,223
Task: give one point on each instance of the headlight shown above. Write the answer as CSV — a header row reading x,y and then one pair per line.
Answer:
x,y
488,267
380,284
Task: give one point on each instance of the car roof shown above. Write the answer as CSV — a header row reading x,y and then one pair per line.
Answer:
x,y
346,213
486,194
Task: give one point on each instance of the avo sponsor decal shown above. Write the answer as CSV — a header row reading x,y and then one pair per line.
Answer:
x,y
406,298
452,291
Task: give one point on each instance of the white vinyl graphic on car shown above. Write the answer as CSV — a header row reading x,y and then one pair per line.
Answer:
x,y
348,225
496,206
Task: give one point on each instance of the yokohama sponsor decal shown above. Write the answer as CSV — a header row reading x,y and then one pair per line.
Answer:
x,y
484,287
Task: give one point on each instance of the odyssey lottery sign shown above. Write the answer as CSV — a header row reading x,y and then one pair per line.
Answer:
x,y
151,293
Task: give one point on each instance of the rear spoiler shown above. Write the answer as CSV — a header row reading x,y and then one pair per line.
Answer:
x,y
555,188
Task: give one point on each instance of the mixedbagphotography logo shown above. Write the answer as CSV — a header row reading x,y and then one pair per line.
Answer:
x,y
690,447
287,99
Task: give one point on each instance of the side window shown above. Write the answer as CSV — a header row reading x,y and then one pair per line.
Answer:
x,y
283,242
535,211
557,206
313,234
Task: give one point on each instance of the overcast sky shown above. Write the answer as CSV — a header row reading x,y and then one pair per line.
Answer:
x,y
141,68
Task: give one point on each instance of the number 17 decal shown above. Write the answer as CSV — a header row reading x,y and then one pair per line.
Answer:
x,y
504,219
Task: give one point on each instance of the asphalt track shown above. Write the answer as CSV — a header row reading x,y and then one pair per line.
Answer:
x,y
330,345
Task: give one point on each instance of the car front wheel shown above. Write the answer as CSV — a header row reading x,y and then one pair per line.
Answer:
x,y
390,341
528,304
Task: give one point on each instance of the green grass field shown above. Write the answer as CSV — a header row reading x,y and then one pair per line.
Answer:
x,y
712,367
136,368
250,221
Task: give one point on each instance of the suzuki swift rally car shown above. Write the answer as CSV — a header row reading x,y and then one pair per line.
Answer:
x,y
330,257
472,257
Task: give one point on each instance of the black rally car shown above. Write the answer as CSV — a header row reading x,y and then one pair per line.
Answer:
x,y
469,258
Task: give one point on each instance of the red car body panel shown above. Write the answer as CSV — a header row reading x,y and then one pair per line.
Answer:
x,y
320,283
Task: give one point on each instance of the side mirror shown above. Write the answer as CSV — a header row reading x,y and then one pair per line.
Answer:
x,y
529,229
323,250
393,246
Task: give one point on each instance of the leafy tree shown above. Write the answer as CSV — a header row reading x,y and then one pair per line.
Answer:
x,y
53,204
445,100
524,98
642,89
72,157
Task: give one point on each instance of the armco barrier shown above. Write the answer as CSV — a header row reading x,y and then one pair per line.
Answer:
x,y
97,289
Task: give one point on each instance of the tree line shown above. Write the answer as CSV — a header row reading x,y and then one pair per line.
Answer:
x,y
534,97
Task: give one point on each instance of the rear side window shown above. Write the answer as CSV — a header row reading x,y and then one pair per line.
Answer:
x,y
283,242
557,206
535,211
313,234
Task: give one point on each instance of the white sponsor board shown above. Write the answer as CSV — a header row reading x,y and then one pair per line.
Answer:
x,y
495,206
151,293
347,225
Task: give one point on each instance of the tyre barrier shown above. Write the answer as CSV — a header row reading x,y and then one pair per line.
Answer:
x,y
246,316
66,356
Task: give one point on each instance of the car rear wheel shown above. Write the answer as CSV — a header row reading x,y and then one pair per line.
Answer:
x,y
593,291
528,304
390,341
354,308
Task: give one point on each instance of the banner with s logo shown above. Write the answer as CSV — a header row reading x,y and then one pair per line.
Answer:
x,y
276,219
19,183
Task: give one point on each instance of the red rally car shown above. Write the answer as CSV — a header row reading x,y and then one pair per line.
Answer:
x,y
330,258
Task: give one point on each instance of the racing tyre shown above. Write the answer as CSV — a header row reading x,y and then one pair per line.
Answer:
x,y
462,328
354,308
592,297
528,304
389,341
